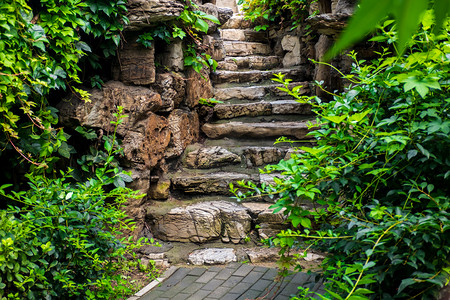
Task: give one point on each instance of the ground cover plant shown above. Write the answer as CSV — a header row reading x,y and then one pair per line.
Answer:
x,y
378,176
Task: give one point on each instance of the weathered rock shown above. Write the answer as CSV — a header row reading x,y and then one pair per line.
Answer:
x,y
228,111
214,46
145,13
298,130
136,63
212,10
259,156
212,256
246,48
173,57
202,222
225,76
260,255
249,62
345,7
227,3
172,88
197,86
269,223
211,157
237,22
247,35
322,72
291,44
202,183
160,190
329,24
225,13
157,138
184,129
284,107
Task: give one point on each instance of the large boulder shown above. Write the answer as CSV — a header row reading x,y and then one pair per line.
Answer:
x,y
202,222
145,13
172,88
184,129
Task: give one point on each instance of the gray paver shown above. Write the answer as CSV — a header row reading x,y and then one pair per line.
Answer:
x,y
206,277
199,295
213,284
219,292
230,297
232,281
243,270
240,288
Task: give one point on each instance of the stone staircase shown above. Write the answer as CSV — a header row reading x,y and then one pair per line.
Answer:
x,y
239,139
254,113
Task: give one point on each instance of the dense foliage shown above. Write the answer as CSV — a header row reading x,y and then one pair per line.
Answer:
x,y
378,176
60,239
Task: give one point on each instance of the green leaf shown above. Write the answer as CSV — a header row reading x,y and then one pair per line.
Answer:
x,y
201,25
405,283
407,15
335,119
441,11
365,19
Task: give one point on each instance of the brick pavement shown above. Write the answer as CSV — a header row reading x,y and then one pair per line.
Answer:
x,y
233,282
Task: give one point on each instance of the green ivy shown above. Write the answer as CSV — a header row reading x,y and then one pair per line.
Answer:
x,y
378,178
40,52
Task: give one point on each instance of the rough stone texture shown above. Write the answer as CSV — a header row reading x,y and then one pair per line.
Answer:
x,y
145,13
345,6
261,255
259,156
322,72
237,22
202,222
246,48
184,129
172,88
225,13
247,35
290,107
231,4
214,46
291,44
207,183
249,62
136,63
212,256
329,24
145,134
256,130
173,57
225,76
227,111
160,190
212,10
211,157
270,224
197,86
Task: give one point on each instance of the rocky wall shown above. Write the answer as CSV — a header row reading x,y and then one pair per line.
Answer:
x,y
159,96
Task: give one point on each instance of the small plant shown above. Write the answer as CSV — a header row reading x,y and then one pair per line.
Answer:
x,y
209,102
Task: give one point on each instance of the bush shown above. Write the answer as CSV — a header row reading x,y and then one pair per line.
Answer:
x,y
61,240
378,177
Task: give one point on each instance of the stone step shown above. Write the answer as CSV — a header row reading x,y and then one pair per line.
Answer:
x,y
245,35
237,48
211,157
242,76
237,22
298,130
263,108
208,183
255,92
230,143
249,62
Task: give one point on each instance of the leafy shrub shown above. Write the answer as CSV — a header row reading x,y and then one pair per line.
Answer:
x,y
378,177
61,239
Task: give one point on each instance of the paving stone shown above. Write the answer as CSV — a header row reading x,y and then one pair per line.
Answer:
x,y
199,295
174,278
194,287
270,274
225,273
253,276
206,277
219,292
240,288
243,270
232,281
230,297
260,269
250,294
197,271
213,284
261,285
181,297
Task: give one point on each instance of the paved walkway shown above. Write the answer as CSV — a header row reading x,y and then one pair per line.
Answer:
x,y
233,282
